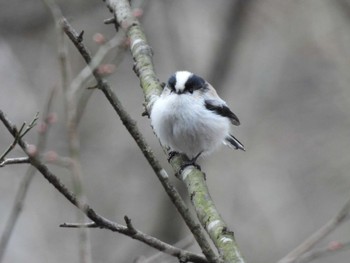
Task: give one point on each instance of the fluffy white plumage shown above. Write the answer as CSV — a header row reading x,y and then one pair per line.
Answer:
x,y
191,118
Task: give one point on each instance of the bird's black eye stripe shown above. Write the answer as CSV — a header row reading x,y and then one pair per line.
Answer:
x,y
172,83
194,83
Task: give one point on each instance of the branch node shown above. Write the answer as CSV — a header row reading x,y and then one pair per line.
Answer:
x,y
226,231
93,87
136,69
80,36
129,225
145,111
110,20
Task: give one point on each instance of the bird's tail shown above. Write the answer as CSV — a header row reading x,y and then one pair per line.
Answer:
x,y
231,141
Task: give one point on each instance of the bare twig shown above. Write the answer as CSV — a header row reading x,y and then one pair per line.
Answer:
x,y
131,126
325,251
226,49
21,193
79,225
90,213
18,160
129,225
20,134
183,243
320,234
102,52
65,162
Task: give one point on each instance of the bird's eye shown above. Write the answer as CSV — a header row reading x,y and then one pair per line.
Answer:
x,y
171,83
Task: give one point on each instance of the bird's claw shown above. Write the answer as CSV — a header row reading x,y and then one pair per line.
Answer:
x,y
187,164
171,155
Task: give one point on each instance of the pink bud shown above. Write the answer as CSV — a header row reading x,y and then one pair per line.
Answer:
x,y
51,156
99,38
32,149
42,127
51,118
106,69
334,245
137,12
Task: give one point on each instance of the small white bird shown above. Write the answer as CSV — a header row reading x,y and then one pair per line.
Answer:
x,y
190,117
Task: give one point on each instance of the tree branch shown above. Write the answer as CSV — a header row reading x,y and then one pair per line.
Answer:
x,y
18,160
21,193
131,126
22,131
325,251
90,213
194,179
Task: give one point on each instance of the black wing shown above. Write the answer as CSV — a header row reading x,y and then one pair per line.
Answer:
x,y
222,110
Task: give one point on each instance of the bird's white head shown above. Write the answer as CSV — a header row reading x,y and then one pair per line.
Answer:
x,y
183,82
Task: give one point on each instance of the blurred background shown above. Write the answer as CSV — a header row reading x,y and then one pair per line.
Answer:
x,y
282,66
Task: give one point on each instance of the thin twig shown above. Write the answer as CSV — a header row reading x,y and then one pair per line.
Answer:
x,y
320,234
79,225
325,251
183,243
20,134
225,51
129,225
18,160
90,213
101,53
22,191
131,126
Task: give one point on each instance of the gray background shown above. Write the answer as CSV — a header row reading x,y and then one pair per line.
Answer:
x,y
282,66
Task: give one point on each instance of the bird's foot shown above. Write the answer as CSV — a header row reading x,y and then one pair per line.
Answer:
x,y
191,162
171,155
187,164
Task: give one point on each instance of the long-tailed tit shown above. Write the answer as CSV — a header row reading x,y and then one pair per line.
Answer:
x,y
190,117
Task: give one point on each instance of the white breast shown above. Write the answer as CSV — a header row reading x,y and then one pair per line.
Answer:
x,y
184,124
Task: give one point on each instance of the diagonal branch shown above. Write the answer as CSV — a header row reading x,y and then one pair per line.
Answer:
x,y
131,126
194,179
90,213
310,242
325,251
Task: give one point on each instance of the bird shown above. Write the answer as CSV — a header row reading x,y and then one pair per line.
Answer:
x,y
190,118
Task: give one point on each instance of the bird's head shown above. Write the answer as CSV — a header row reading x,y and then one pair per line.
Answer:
x,y
184,82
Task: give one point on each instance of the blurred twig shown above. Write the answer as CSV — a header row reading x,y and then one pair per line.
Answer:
x,y
70,102
96,60
90,213
226,49
325,251
22,191
310,242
